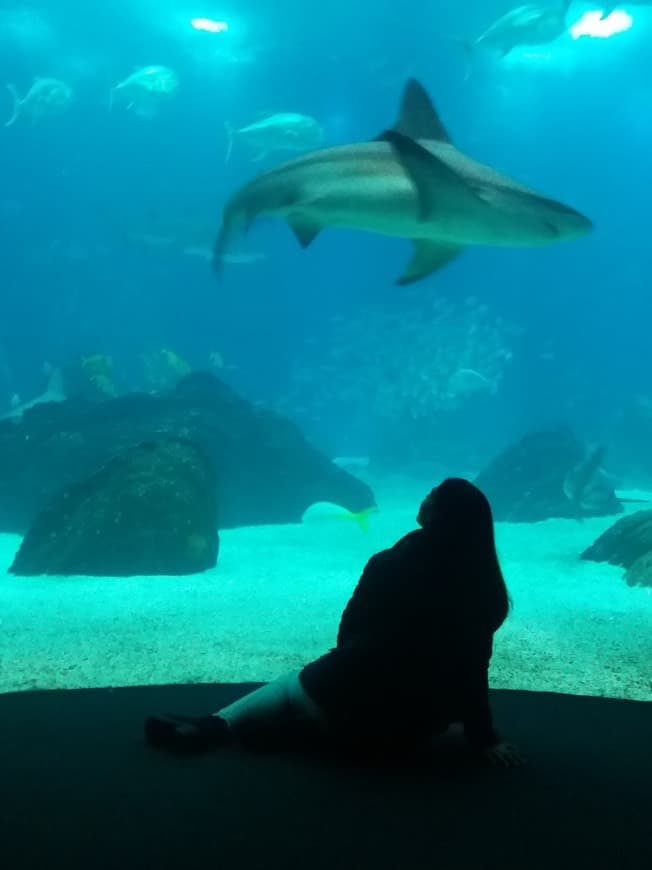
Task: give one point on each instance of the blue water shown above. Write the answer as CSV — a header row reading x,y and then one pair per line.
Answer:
x,y
571,119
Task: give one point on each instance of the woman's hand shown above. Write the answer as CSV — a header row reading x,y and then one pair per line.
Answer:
x,y
503,755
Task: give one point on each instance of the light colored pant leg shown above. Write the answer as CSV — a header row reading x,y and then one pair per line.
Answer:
x,y
281,700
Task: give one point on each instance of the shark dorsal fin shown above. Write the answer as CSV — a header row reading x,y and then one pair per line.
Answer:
x,y
418,118
433,179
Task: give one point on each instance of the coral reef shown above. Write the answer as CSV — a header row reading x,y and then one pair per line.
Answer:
x,y
98,368
164,368
90,377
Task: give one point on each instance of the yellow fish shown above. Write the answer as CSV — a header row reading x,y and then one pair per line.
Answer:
x,y
326,510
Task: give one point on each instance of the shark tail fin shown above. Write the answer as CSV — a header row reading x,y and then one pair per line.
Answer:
x,y
221,246
219,249
237,217
230,133
55,380
16,107
361,518
468,48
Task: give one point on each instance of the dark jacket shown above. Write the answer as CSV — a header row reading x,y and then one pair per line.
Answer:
x,y
405,665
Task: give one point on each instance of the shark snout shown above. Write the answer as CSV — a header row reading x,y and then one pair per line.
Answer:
x,y
580,225
565,222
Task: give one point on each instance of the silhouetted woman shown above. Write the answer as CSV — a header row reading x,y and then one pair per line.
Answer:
x,y
413,647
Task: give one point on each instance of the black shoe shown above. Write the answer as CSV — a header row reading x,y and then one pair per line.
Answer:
x,y
186,734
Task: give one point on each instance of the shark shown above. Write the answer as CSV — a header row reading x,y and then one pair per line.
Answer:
x,y
581,478
587,486
410,182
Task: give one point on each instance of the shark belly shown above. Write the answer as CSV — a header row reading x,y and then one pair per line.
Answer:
x,y
382,201
396,213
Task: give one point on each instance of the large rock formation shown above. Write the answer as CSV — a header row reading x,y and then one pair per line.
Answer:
x,y
545,475
628,543
266,471
152,509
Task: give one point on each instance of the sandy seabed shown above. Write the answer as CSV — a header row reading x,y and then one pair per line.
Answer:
x,y
274,601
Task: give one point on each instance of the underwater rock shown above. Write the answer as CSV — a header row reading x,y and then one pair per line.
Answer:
x,y
548,475
639,572
267,472
152,509
628,543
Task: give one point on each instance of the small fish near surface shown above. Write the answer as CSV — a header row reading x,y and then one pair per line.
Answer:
x,y
608,8
45,97
410,182
531,24
285,131
145,90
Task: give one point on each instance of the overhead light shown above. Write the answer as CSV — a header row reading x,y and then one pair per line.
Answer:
x,y
209,25
593,24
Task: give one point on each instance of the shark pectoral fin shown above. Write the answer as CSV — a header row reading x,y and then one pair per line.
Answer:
x,y
433,179
305,230
17,105
219,249
428,257
418,117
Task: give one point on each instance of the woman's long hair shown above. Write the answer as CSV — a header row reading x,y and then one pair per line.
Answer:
x,y
462,524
